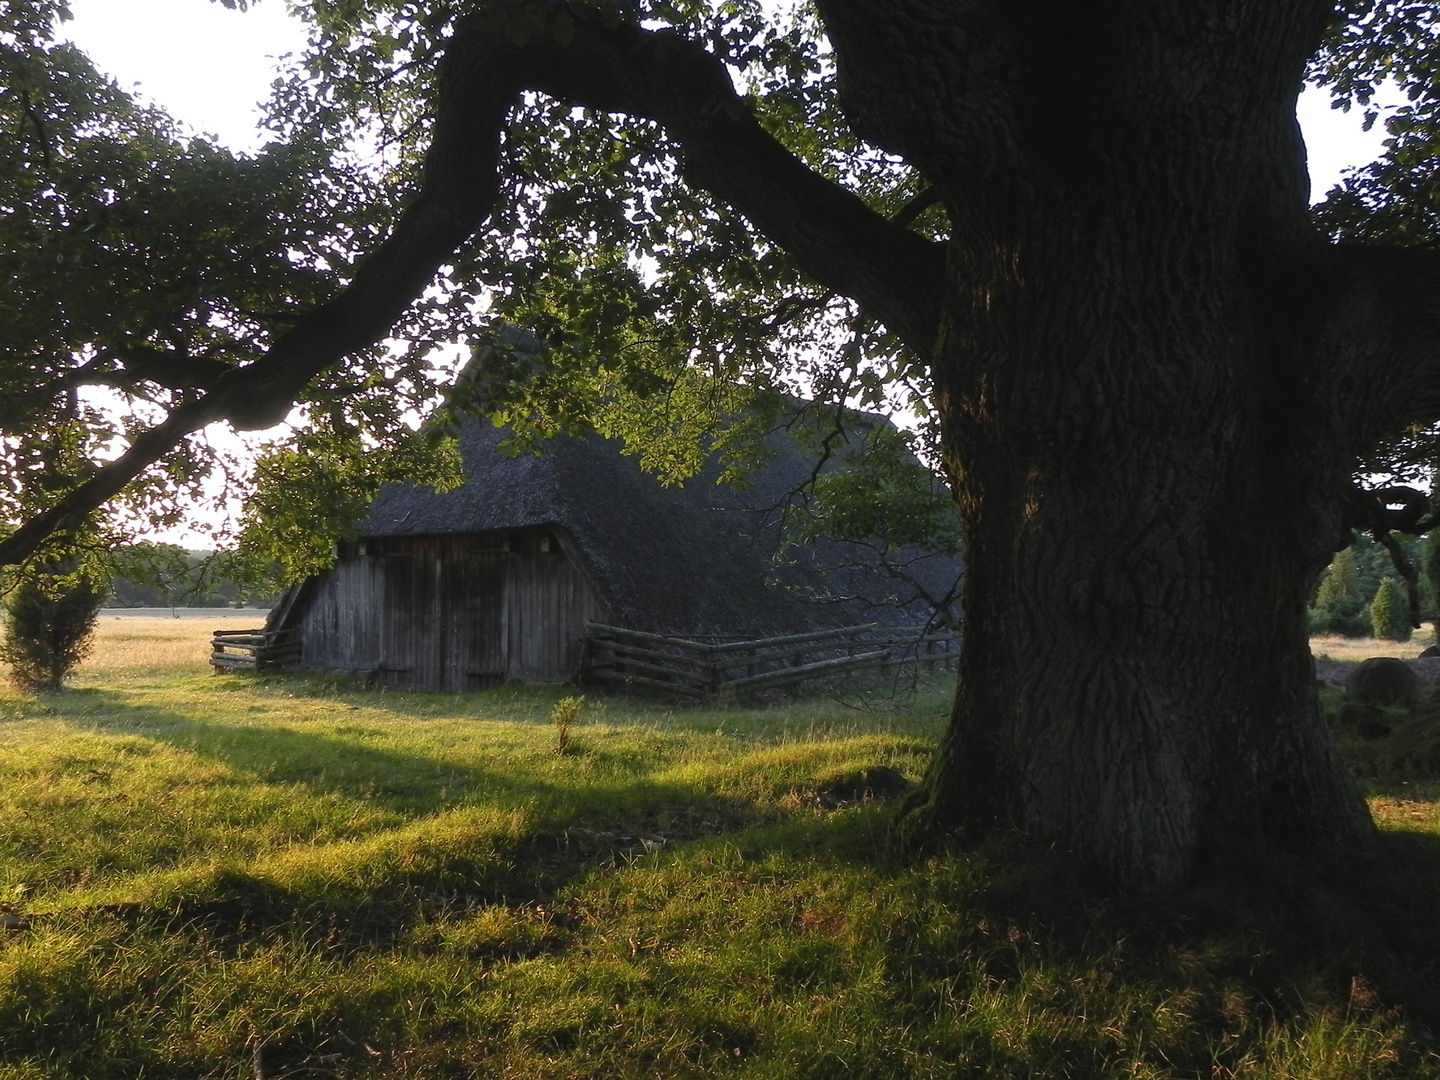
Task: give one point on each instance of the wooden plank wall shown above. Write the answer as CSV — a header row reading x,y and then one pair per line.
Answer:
x,y
335,631
452,613
546,600
471,629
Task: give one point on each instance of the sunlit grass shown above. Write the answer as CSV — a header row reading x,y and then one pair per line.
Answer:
x,y
126,645
222,876
1331,647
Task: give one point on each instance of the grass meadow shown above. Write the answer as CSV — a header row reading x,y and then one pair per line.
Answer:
x,y
1332,647
225,876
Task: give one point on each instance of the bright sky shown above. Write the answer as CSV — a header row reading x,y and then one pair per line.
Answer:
x,y
207,66
210,67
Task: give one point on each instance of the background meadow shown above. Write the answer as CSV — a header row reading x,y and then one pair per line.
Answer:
x,y
226,876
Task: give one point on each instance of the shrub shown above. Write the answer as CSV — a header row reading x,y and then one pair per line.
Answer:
x,y
1414,748
1390,612
1339,605
1343,615
49,623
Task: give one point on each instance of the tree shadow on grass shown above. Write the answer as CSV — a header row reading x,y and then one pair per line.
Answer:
x,y
574,828
332,759
1355,932
325,763
511,702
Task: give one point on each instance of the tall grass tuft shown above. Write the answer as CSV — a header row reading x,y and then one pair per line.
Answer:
x,y
564,716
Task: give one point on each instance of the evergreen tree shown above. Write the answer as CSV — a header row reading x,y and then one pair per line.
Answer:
x,y
1390,612
49,624
1342,580
1340,601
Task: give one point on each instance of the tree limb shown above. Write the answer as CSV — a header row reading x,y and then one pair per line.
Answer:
x,y
895,274
107,481
1383,513
656,75
1384,330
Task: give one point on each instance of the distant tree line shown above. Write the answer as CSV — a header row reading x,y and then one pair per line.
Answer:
x,y
48,608
165,575
1361,595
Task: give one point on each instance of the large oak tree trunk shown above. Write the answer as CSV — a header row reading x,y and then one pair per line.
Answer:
x,y
1136,682
1148,499
1144,445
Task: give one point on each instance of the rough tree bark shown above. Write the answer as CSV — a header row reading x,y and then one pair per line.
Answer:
x,y
1155,378
1153,393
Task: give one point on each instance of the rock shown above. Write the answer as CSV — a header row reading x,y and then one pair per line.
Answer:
x,y
1383,680
1369,721
1331,672
1432,651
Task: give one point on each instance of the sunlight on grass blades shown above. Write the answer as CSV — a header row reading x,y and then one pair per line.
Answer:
x,y
318,880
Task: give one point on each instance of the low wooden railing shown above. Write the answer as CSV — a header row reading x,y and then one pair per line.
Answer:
x,y
701,669
253,650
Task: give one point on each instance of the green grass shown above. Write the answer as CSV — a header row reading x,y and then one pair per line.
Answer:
x,y
227,877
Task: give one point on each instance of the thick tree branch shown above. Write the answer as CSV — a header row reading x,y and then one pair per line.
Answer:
x,y
895,274
107,481
126,368
657,75
1384,331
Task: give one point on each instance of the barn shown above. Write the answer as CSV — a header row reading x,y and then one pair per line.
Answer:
x,y
497,580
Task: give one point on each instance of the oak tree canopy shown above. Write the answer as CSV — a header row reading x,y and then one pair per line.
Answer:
x,y
1079,235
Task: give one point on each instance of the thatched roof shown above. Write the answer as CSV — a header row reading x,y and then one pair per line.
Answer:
x,y
695,559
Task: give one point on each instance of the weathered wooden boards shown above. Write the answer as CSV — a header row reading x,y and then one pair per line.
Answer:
x,y
253,650
700,669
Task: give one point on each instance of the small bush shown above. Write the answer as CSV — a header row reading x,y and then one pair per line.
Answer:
x,y
563,716
1342,616
1390,612
49,624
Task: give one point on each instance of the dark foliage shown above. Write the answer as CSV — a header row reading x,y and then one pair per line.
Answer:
x,y
49,622
1389,614
1343,600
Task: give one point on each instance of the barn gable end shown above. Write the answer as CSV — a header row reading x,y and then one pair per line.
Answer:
x,y
451,612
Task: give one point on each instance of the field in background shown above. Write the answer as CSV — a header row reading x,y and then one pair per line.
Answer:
x,y
1347,649
128,641
151,639
239,877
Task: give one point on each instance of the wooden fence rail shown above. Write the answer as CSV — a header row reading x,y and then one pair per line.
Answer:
x,y
698,669
253,650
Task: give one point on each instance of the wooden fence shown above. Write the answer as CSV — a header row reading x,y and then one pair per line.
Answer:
x,y
253,650
705,668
